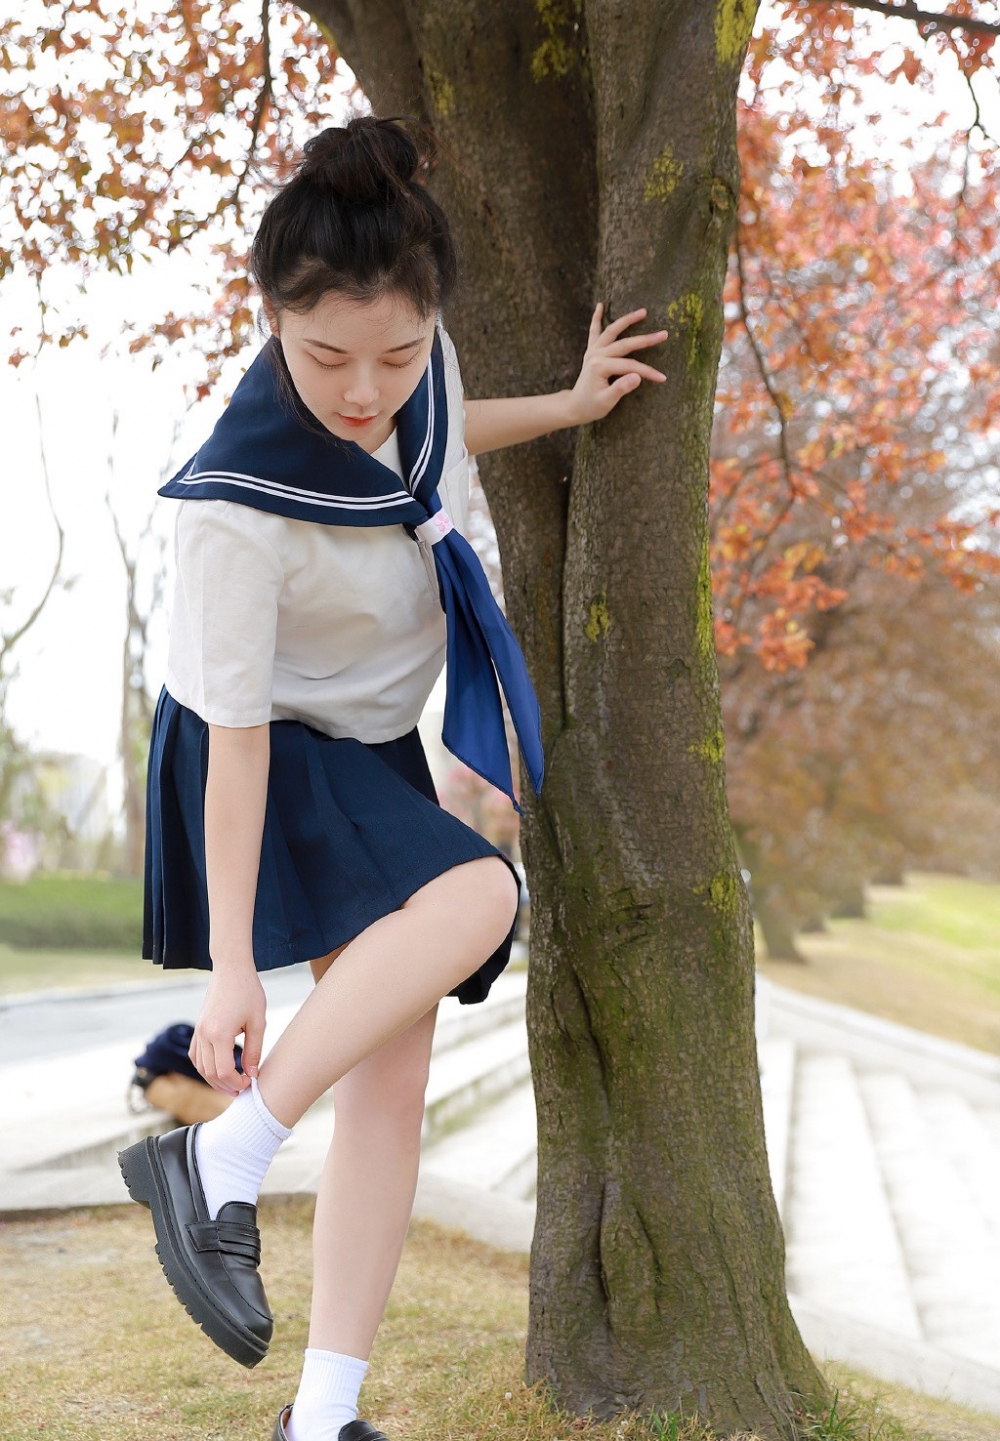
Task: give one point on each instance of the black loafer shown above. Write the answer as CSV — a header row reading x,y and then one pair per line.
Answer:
x,y
354,1430
211,1265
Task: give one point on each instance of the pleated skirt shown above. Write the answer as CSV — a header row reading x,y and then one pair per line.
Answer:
x,y
351,830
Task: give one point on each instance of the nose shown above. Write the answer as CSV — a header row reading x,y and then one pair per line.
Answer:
x,y
361,391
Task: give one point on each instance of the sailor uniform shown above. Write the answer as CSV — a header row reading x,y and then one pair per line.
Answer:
x,y
320,589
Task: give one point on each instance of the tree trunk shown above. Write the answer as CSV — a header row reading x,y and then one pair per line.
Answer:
x,y
136,712
591,155
778,932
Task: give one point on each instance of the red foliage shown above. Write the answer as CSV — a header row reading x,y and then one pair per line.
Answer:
x,y
859,319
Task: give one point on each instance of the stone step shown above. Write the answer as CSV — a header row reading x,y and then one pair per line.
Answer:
x,y
473,1066
970,1136
496,1151
466,1077
776,1055
843,1251
952,1254
503,1006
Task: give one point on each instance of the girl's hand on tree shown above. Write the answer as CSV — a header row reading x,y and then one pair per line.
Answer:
x,y
234,1003
593,397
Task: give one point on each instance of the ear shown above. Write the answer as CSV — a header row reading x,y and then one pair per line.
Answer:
x,y
271,312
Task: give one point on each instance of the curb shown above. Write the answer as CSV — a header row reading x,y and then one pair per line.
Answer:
x,y
914,1364
93,993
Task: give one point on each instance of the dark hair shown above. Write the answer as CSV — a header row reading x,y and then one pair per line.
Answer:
x,y
354,218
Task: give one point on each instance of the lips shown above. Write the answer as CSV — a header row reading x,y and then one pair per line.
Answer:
x,y
358,420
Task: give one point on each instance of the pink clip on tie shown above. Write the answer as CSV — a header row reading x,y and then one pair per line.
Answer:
x,y
436,528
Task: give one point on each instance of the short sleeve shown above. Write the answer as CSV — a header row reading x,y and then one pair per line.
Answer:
x,y
220,661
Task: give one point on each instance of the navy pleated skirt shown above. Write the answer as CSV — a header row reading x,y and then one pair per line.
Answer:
x,y
351,830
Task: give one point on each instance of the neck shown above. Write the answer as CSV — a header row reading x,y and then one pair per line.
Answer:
x,y
371,443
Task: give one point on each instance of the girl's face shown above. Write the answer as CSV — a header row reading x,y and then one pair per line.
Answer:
x,y
354,363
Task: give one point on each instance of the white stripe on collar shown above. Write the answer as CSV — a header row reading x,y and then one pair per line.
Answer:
x,y
313,497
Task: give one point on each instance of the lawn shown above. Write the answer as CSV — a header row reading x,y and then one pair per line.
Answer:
x,y
67,912
70,931
927,955
37,970
96,1349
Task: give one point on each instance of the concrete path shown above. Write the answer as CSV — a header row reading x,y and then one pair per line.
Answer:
x,y
883,1143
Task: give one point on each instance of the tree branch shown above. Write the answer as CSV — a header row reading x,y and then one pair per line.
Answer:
x,y
936,21
8,640
261,108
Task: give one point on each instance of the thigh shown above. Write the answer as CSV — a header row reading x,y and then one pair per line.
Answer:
x,y
322,964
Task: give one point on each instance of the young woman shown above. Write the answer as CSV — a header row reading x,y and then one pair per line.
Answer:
x,y
322,578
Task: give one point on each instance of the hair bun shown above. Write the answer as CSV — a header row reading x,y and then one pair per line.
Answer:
x,y
368,159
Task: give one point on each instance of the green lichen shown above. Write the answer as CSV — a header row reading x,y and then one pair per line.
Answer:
x,y
599,620
712,748
688,314
560,50
723,893
440,89
733,28
664,175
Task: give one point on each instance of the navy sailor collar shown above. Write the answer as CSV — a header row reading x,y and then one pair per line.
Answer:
x,y
268,451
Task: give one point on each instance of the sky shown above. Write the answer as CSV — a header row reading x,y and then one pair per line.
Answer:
x,y
111,427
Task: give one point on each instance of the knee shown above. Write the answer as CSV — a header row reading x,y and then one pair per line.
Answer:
x,y
390,1105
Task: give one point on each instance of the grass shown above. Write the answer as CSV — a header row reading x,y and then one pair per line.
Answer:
x,y
96,1349
927,955
63,912
36,970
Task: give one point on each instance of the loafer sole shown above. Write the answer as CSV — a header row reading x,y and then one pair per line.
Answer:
x,y
143,1173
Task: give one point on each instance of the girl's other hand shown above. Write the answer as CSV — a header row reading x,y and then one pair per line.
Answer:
x,y
234,1003
593,397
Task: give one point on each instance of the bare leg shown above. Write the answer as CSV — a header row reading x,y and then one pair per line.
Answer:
x,y
366,1191
386,979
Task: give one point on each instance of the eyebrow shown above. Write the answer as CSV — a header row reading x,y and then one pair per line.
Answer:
x,y
322,345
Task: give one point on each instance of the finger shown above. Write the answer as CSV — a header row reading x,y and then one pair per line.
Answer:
x,y
595,320
624,366
635,342
623,322
253,1044
197,1058
226,1074
213,1065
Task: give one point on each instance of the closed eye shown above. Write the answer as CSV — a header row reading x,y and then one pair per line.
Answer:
x,y
391,365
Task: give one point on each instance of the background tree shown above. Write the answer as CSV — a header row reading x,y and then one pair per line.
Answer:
x,y
21,802
137,703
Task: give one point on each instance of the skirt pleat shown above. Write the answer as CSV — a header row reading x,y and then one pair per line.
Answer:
x,y
351,831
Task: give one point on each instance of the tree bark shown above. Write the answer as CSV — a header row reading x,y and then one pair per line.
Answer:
x,y
591,154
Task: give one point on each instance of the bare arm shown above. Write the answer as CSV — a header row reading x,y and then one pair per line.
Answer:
x,y
235,798
493,424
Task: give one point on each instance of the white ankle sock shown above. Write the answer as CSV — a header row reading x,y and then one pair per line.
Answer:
x,y
327,1397
234,1150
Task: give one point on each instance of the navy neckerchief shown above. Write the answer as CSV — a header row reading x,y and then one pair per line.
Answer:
x,y
269,452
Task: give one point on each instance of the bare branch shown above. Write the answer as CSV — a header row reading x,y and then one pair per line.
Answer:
x,y
263,100
8,640
765,374
934,21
